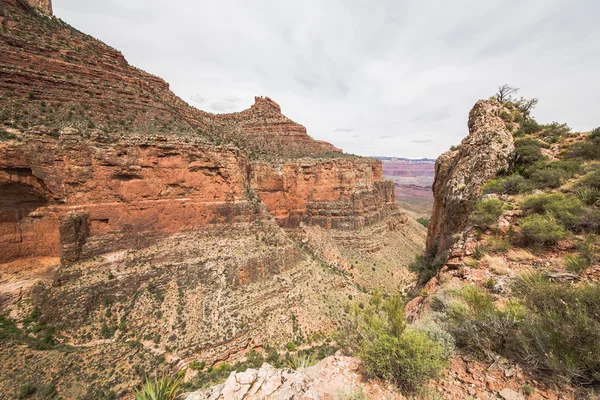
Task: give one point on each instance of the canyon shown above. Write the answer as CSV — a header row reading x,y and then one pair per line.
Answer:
x,y
144,234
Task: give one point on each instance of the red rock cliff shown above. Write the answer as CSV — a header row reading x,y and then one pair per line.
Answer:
x,y
96,155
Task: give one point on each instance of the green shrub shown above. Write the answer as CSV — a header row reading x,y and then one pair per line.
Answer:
x,y
424,222
591,180
48,392
404,356
588,149
5,135
166,388
409,361
530,126
290,346
254,359
516,184
539,230
576,264
590,220
588,195
487,212
562,332
549,178
426,266
197,366
477,325
493,186
498,244
528,151
26,391
554,131
565,209
552,327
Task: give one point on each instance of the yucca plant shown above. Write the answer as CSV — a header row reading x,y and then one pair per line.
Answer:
x,y
165,388
589,195
302,361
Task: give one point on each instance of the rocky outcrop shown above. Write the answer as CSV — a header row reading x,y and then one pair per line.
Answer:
x,y
334,377
460,174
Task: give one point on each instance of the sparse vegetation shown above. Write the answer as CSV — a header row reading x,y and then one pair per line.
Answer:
x,y
487,212
551,327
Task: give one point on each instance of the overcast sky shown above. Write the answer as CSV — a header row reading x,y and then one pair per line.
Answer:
x,y
387,77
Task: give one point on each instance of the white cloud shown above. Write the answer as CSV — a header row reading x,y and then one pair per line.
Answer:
x,y
405,71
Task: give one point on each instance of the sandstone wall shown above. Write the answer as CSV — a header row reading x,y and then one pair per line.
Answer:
x,y
88,196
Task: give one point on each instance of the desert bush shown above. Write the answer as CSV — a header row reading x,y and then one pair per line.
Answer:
x,y
26,391
477,325
554,131
493,186
539,230
5,135
549,178
516,184
528,151
409,361
552,327
588,195
439,335
254,359
562,333
589,149
576,264
427,266
565,209
165,388
590,220
529,126
498,244
591,180
390,350
487,212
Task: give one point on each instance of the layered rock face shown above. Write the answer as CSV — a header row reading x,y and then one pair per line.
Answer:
x,y
85,174
460,174
79,197
345,193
